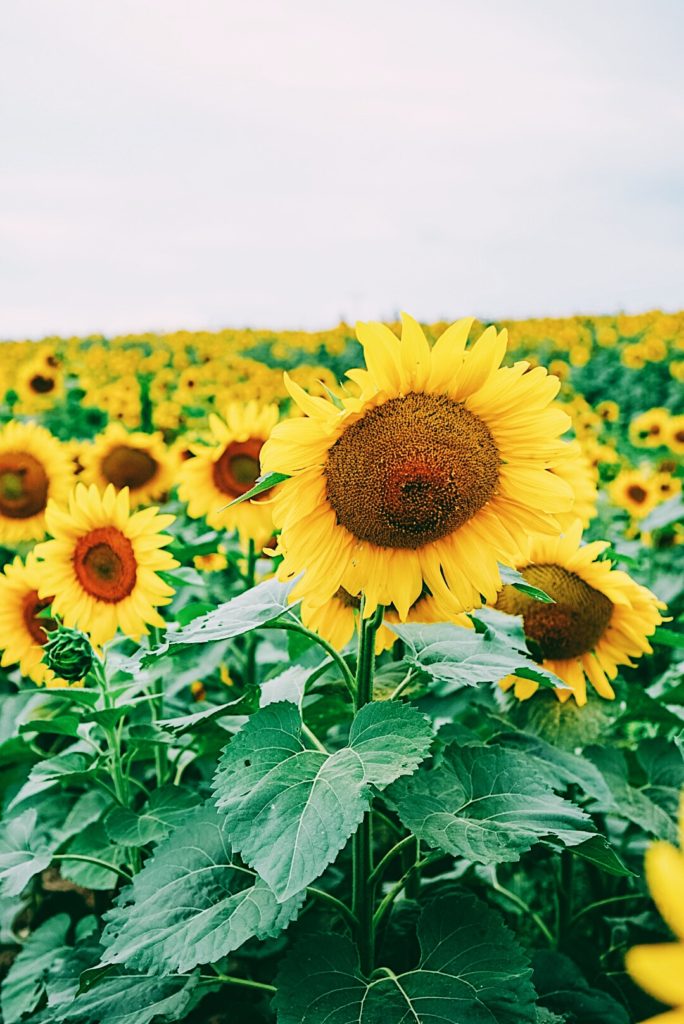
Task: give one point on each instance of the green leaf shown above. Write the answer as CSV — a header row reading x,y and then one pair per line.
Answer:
x,y
290,810
630,802
24,985
486,804
668,638
166,809
264,483
563,990
470,972
455,656
93,841
198,719
256,607
560,767
192,903
24,852
598,851
517,580
120,997
71,766
666,514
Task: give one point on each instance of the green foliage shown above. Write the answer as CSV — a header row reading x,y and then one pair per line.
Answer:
x,y
291,810
485,804
470,970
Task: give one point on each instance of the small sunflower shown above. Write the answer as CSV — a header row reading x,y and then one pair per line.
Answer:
x,y
141,462
434,473
34,468
649,429
635,491
674,435
659,968
608,410
22,629
39,384
103,562
227,469
335,620
600,619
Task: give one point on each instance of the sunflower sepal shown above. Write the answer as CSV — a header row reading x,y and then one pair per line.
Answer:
x,y
68,653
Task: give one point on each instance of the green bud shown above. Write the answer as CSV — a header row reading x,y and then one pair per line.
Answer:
x,y
69,653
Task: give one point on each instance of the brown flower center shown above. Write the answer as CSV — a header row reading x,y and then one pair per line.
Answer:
x,y
23,485
237,468
42,385
637,493
31,608
411,470
570,627
105,564
125,466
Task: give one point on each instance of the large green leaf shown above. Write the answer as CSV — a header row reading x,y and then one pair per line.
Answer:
x,y
126,998
290,810
256,607
486,804
470,972
25,982
192,903
24,852
454,656
561,767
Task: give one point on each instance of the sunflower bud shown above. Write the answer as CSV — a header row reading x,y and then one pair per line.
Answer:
x,y
68,653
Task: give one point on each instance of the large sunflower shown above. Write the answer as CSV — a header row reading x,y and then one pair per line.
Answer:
x,y
138,461
437,470
335,620
22,629
103,563
659,968
219,473
600,619
34,467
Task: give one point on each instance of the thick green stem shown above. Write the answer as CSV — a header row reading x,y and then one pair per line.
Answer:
x,y
252,640
297,627
362,865
161,760
113,736
228,979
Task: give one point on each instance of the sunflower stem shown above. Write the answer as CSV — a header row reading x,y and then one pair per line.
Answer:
x,y
362,851
251,648
161,760
112,734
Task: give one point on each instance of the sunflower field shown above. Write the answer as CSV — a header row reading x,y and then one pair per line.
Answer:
x,y
341,675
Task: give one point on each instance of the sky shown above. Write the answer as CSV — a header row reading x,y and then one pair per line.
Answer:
x,y
169,164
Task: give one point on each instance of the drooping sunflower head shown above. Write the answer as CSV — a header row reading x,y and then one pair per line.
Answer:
x,y
34,468
101,567
219,473
141,462
23,627
435,471
599,619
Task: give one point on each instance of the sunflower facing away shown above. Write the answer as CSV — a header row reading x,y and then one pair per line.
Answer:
x,y
22,629
103,562
659,968
138,461
335,620
34,468
219,473
600,619
437,470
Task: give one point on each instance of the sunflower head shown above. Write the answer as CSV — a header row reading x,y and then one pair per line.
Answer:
x,y
25,621
34,468
224,470
141,462
599,619
103,562
434,471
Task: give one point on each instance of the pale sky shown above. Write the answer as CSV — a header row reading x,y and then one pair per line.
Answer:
x,y
174,164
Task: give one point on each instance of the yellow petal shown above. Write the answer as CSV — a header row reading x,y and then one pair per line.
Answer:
x,y
659,970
